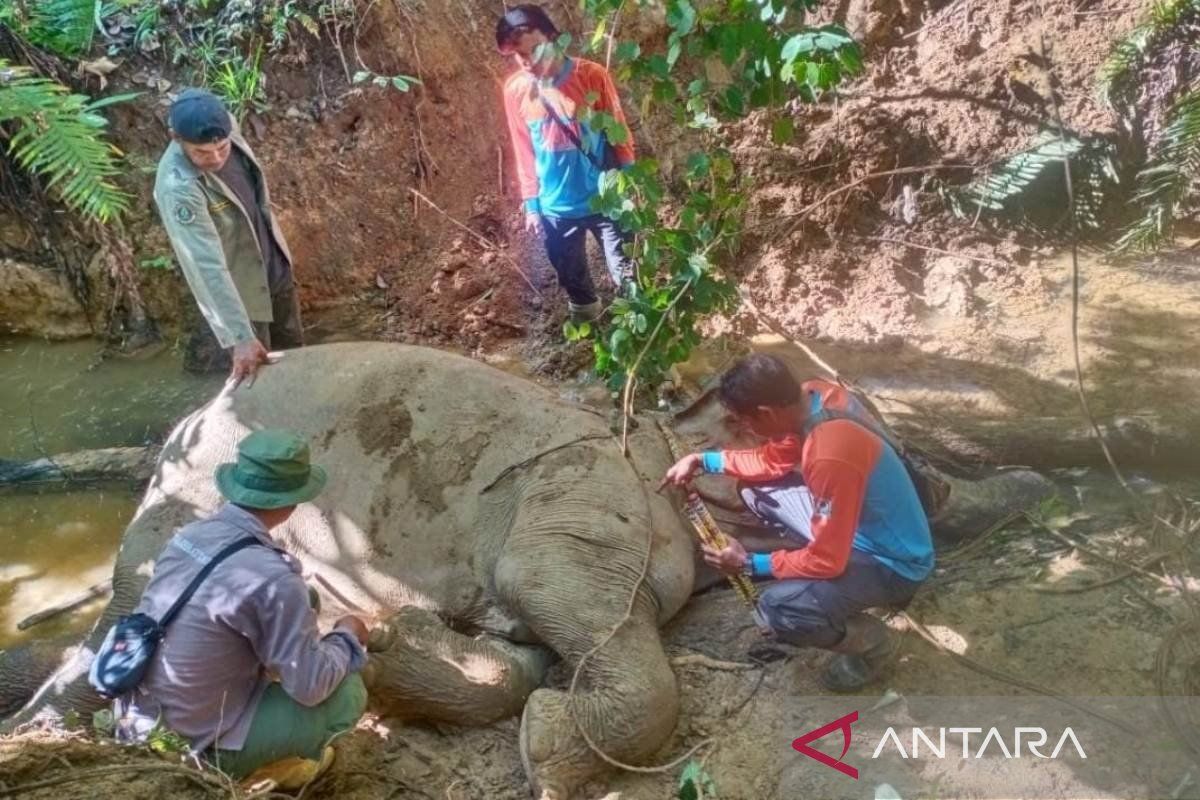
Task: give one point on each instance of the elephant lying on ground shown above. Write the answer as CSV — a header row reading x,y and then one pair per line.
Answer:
x,y
484,519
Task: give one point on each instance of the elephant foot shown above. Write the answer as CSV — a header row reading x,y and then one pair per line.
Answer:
x,y
421,669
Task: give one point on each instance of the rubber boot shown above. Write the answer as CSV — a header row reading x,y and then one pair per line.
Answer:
x,y
863,655
585,313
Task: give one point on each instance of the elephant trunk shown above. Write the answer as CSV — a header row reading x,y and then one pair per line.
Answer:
x,y
64,686
626,701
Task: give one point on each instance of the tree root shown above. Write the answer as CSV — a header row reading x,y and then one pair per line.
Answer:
x,y
205,780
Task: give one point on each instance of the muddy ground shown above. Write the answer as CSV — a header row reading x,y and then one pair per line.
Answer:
x,y
955,318
1000,603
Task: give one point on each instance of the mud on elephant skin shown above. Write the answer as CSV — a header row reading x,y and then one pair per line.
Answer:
x,y
425,523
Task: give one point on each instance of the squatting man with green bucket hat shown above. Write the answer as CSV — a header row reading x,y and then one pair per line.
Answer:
x,y
243,673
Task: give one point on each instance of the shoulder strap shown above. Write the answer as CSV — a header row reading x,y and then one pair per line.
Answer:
x,y
225,553
565,126
818,413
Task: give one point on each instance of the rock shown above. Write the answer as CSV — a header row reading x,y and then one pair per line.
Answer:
x,y
948,288
39,302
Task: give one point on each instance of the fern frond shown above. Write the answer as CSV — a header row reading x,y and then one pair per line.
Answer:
x,y
1129,54
65,27
59,136
1030,183
1173,165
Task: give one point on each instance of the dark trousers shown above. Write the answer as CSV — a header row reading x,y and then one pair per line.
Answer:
x,y
566,248
813,613
204,353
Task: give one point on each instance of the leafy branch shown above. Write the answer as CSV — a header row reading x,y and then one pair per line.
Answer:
x,y
720,62
58,135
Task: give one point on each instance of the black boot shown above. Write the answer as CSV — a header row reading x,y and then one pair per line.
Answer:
x,y
863,655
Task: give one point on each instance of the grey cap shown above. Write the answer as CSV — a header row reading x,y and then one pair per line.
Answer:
x,y
198,116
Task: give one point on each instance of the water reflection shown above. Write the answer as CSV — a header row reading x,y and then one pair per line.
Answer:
x,y
54,546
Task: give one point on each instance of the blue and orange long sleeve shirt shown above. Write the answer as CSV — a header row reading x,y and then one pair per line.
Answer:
x,y
556,178
862,496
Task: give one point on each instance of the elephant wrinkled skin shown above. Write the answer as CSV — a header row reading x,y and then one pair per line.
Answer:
x,y
425,523
485,525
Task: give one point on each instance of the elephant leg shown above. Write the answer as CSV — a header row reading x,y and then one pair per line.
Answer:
x,y
421,669
572,591
24,668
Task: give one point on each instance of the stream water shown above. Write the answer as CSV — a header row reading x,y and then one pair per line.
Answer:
x,y
56,397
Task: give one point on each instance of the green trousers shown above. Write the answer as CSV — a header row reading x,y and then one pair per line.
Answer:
x,y
282,728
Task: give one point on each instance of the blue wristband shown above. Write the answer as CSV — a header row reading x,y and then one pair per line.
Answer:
x,y
760,565
712,462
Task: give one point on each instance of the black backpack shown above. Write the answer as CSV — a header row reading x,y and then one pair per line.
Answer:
x,y
125,655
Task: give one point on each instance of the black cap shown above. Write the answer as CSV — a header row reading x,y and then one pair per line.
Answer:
x,y
199,117
523,16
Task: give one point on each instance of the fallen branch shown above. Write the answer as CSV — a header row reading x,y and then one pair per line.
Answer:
x,y
1096,554
701,660
974,665
204,779
799,215
99,590
483,240
526,462
915,246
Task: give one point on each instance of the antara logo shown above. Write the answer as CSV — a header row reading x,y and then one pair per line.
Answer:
x,y
1035,738
801,745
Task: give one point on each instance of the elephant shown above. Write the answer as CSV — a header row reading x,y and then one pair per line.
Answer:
x,y
482,522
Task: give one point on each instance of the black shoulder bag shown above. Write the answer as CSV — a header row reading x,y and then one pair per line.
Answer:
x,y
125,655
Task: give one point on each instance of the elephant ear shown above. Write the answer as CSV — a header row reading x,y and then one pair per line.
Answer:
x,y
695,783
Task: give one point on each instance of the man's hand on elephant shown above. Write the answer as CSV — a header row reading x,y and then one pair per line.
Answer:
x,y
730,560
356,626
683,471
247,358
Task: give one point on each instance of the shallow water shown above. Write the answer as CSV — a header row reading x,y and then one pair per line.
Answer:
x,y
52,400
56,544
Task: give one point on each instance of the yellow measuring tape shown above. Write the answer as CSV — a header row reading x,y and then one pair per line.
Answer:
x,y
707,530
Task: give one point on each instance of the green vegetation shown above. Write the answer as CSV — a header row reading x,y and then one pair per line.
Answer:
x,y
1173,160
1030,183
58,135
722,61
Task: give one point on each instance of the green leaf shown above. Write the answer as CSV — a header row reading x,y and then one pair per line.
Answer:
x,y
697,265
627,51
380,80
361,76
681,16
782,130
113,99
673,50
640,323
400,83
598,34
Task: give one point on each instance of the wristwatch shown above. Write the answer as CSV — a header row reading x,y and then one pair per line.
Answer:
x,y
748,566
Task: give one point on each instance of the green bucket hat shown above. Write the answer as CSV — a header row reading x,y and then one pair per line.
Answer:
x,y
272,471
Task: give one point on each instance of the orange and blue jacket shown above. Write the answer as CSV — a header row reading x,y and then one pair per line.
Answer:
x,y
862,496
556,178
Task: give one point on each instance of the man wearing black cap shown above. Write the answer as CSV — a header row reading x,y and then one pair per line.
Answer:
x,y
560,154
213,200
